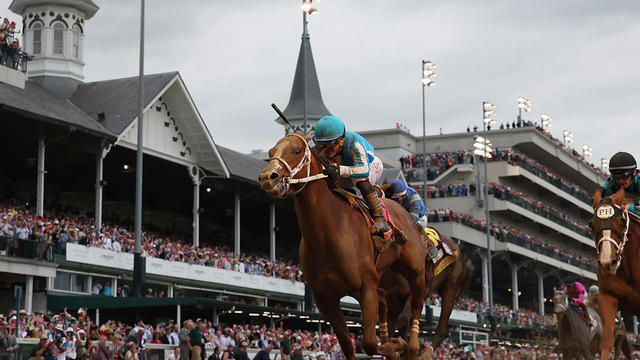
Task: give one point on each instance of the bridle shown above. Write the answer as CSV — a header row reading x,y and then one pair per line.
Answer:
x,y
561,306
287,181
609,228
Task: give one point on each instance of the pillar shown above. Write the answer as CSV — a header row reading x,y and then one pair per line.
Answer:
x,y
485,277
196,213
272,232
216,317
114,287
99,171
236,223
178,315
28,296
514,285
635,324
170,291
40,180
540,291
97,316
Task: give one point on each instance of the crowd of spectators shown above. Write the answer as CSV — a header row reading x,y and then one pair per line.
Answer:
x,y
52,232
504,314
512,235
451,190
440,162
521,199
10,50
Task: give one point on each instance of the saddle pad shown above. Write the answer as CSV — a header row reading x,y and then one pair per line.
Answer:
x,y
360,204
445,256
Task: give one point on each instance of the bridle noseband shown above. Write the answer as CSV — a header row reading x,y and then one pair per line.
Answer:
x,y
603,212
287,181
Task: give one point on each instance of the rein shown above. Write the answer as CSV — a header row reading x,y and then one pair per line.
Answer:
x,y
304,162
606,234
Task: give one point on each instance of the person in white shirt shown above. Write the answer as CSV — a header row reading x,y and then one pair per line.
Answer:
x,y
71,344
115,246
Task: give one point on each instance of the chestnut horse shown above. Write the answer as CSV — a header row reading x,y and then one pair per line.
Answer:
x,y
617,236
448,284
336,251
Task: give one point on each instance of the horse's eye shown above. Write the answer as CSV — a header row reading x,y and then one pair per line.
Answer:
x,y
298,151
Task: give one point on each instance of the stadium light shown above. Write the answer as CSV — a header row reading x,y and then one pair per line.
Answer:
x,y
586,151
208,189
307,8
488,115
523,104
428,74
568,136
604,163
545,121
125,167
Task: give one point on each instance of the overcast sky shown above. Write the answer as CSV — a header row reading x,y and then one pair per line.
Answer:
x,y
577,60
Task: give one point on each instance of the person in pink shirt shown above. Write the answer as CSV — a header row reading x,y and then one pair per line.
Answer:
x,y
577,291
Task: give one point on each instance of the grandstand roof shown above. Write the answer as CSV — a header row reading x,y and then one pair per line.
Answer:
x,y
113,98
242,166
38,102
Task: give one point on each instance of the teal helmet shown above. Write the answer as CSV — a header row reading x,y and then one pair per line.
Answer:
x,y
398,188
329,128
594,290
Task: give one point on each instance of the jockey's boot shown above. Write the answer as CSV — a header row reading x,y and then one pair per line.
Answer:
x,y
585,314
370,196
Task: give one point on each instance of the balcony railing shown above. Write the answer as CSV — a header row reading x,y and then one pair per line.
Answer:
x,y
26,248
13,57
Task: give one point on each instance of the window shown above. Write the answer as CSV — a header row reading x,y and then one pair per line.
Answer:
x,y
76,42
37,38
58,39
70,282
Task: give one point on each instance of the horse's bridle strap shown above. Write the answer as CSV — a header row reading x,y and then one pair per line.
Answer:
x,y
305,161
619,247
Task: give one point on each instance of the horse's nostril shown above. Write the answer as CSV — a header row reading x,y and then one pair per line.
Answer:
x,y
274,175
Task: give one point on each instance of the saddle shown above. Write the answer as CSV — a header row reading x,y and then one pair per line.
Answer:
x,y
438,250
381,243
584,314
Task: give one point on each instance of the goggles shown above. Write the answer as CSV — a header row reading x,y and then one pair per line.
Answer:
x,y
622,175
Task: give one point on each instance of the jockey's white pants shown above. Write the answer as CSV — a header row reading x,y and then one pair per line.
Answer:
x,y
422,221
375,173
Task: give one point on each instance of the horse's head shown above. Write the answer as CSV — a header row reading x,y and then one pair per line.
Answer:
x,y
290,155
610,227
560,302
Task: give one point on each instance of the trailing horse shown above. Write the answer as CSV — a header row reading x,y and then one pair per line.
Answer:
x,y
617,236
446,281
575,339
337,254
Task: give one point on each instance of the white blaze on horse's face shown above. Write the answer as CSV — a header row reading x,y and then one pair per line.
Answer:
x,y
607,253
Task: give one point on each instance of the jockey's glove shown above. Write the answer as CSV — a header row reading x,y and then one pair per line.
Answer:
x,y
332,171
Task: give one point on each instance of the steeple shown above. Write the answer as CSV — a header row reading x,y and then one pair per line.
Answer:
x,y
315,107
53,33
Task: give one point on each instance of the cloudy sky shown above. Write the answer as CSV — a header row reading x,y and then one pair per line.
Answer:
x,y
577,60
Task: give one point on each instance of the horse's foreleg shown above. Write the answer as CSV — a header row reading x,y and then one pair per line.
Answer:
x,y
442,330
608,308
382,314
369,306
417,302
330,308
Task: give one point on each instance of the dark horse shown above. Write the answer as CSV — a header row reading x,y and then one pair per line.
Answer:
x,y
337,254
448,284
617,236
575,340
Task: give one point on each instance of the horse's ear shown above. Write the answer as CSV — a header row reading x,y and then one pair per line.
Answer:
x,y
597,198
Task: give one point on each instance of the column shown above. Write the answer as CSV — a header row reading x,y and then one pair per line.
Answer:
x,y
514,285
196,213
635,324
540,291
28,296
170,291
485,277
178,315
272,232
97,316
114,287
99,171
236,223
40,180
216,317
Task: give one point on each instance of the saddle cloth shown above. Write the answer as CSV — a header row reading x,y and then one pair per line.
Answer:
x,y
443,255
360,205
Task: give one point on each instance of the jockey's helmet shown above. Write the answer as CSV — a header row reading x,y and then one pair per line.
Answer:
x,y
594,290
570,281
329,128
622,165
398,188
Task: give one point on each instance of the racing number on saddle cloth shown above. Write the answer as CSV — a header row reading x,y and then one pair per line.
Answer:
x,y
432,235
605,212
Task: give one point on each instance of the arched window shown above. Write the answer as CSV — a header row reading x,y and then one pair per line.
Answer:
x,y
76,42
58,38
37,38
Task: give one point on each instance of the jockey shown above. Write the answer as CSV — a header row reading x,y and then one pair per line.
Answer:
x,y
622,167
592,297
409,198
353,162
576,291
